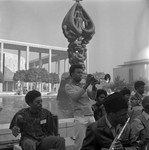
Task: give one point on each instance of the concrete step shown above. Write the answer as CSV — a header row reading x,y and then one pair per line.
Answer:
x,y
68,140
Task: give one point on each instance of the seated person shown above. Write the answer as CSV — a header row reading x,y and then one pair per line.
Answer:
x,y
98,107
136,100
36,126
101,134
140,126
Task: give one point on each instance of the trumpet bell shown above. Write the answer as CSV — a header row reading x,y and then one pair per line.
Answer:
x,y
107,78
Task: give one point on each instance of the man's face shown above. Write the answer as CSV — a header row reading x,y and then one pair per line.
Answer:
x,y
141,89
127,96
36,105
100,98
77,75
121,116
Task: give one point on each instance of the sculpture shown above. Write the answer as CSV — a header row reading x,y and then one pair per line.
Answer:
x,y
79,29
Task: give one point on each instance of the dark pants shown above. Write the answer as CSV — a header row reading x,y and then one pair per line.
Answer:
x,y
47,143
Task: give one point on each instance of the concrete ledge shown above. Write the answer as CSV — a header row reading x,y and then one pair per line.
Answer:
x,y
69,144
66,127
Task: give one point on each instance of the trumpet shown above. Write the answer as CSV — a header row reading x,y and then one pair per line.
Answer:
x,y
106,78
119,135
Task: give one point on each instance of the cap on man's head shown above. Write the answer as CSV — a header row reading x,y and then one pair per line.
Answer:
x,y
115,102
145,101
31,95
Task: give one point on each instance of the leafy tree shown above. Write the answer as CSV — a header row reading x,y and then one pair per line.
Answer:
x,y
37,75
1,77
16,76
20,77
118,84
44,75
53,79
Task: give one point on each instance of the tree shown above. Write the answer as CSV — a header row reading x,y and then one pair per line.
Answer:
x,y
53,79
20,75
37,75
20,78
1,77
118,84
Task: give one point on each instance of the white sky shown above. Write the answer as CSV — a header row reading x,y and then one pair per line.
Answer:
x,y
121,27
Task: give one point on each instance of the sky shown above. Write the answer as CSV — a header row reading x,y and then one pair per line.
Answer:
x,y
121,28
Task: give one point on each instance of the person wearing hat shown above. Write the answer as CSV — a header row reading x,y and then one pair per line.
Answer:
x,y
102,133
36,125
140,126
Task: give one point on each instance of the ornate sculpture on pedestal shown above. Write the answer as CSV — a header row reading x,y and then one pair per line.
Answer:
x,y
79,29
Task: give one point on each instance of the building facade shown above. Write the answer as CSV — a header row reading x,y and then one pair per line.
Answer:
x,y
10,62
132,70
52,58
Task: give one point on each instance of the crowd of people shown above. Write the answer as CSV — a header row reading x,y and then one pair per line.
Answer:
x,y
118,121
103,124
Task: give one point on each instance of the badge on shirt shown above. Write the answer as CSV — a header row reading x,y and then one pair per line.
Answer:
x,y
43,121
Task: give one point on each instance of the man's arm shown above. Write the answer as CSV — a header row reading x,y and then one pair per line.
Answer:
x,y
76,94
92,93
136,128
51,124
16,123
73,93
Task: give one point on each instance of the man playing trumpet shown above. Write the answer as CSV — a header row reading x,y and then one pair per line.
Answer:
x,y
80,95
106,132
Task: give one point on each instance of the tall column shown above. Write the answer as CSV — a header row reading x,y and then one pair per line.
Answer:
x,y
55,66
27,62
27,58
40,60
49,66
6,85
58,67
1,64
64,65
19,58
2,52
40,66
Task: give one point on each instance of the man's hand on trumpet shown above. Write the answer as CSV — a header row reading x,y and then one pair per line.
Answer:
x,y
89,79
